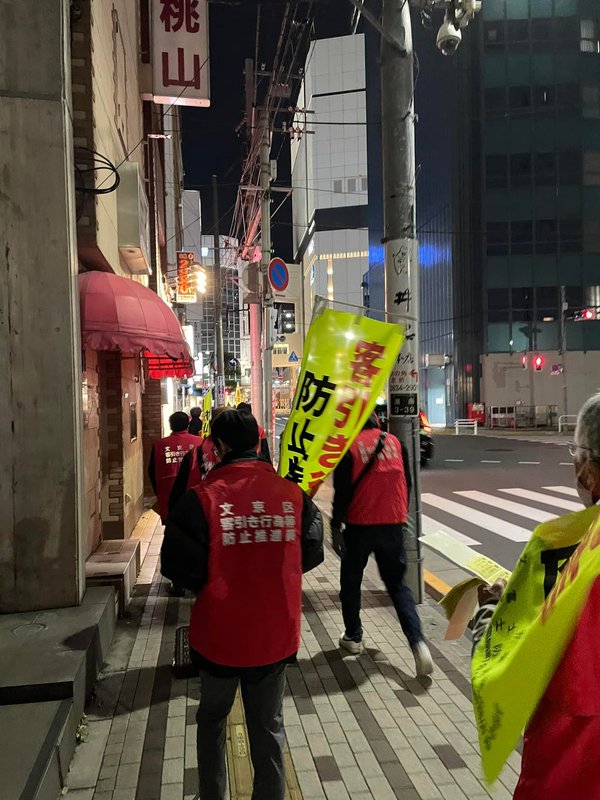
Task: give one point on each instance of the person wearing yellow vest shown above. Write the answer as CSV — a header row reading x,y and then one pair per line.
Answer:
x,y
561,751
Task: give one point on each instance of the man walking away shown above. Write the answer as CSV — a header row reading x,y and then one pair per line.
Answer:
x,y
372,487
165,458
241,540
263,444
195,426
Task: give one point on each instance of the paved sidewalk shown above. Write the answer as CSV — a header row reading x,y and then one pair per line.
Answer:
x,y
356,728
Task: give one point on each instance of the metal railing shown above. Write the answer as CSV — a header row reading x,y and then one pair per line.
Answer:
x,y
465,423
519,416
565,420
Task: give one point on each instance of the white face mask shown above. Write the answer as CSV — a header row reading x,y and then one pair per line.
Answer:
x,y
584,494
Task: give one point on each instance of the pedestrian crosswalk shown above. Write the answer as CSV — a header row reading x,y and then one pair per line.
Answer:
x,y
510,513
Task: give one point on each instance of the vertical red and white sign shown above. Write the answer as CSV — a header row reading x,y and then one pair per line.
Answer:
x,y
180,60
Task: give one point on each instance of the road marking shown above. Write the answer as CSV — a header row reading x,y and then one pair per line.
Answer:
x,y
489,462
505,529
566,464
561,490
455,460
507,505
431,526
545,499
529,462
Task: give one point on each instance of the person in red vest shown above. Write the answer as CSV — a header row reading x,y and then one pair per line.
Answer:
x,y
263,444
196,464
242,540
372,485
561,754
166,457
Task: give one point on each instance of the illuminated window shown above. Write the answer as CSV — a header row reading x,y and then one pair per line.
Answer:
x,y
590,38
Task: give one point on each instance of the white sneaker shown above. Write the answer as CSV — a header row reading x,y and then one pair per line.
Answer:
x,y
423,659
354,646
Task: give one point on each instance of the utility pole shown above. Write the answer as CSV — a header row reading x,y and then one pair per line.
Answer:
x,y
265,235
401,254
564,307
218,301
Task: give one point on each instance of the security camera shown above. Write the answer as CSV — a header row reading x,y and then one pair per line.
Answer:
x,y
449,37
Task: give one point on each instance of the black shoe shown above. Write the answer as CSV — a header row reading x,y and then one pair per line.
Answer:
x,y
176,591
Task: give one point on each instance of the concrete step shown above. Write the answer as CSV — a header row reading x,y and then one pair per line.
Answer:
x,y
35,757
115,563
49,662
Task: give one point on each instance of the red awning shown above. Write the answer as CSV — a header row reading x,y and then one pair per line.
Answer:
x,y
121,314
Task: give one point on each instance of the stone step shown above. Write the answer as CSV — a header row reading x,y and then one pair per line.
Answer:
x,y
115,563
35,757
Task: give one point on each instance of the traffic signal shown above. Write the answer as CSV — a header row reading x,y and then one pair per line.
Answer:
x,y
201,280
286,317
524,362
538,363
586,315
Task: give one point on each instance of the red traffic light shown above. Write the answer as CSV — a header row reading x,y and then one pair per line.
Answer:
x,y
538,363
586,314
524,362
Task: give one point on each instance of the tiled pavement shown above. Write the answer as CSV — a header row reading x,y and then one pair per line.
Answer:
x,y
359,728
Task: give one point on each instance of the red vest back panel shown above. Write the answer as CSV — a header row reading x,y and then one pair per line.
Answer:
x,y
249,612
168,455
561,752
381,497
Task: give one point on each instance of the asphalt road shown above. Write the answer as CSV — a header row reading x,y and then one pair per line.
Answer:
x,y
491,492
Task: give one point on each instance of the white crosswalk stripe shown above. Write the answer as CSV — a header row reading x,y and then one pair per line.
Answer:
x,y
485,521
429,525
461,504
572,492
519,509
545,499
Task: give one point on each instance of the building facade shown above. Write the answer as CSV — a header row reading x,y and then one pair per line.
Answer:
x,y
108,206
330,175
528,214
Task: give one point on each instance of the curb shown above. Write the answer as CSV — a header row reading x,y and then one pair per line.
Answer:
x,y
435,587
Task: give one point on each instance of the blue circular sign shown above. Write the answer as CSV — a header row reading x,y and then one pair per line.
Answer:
x,y
279,275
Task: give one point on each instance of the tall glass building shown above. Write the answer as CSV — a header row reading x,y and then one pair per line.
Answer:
x,y
527,196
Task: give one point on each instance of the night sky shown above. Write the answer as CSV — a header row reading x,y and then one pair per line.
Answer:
x,y
210,142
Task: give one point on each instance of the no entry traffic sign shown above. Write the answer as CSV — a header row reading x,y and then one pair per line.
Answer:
x,y
279,275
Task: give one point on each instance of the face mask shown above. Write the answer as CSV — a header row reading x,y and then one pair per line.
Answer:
x,y
584,494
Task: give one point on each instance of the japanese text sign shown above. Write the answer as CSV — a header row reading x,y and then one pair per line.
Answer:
x,y
180,52
206,415
347,361
186,287
532,625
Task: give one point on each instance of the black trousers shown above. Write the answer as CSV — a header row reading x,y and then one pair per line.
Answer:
x,y
386,543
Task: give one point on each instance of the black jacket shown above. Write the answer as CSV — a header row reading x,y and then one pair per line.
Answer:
x,y
184,553
195,426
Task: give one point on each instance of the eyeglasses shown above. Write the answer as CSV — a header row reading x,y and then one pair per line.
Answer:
x,y
573,448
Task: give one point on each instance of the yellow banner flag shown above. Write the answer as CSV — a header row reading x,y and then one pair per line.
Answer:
x,y
206,415
532,625
347,360
239,397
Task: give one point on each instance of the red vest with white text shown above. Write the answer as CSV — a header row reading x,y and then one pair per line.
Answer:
x,y
561,748
204,459
381,498
168,455
249,612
